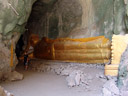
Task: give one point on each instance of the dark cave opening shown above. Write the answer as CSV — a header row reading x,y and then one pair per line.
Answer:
x,y
19,47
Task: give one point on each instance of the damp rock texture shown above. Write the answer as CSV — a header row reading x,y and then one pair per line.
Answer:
x,y
4,92
123,72
78,18
13,17
55,18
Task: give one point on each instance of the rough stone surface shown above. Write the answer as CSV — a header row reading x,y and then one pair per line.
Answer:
x,y
4,61
79,18
111,87
81,75
56,19
124,93
123,71
77,74
13,17
4,92
14,76
74,78
106,92
14,14
62,18
65,18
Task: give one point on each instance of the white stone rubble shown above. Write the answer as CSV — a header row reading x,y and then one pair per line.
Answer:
x,y
110,88
76,73
4,92
83,75
14,76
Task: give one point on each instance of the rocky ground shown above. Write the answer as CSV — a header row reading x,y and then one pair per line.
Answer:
x,y
76,74
88,76
65,79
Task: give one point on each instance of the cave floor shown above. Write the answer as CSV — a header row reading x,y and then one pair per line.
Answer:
x,y
48,84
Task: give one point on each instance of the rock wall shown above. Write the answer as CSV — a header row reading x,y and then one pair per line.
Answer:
x,y
79,18
13,17
56,19
59,18
123,71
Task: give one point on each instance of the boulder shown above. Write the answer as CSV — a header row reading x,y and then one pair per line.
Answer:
x,y
4,92
110,87
14,76
123,71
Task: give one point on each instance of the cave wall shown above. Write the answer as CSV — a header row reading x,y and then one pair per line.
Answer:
x,y
123,71
13,17
55,18
58,18
78,18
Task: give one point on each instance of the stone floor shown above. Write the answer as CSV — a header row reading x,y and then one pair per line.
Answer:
x,y
45,81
